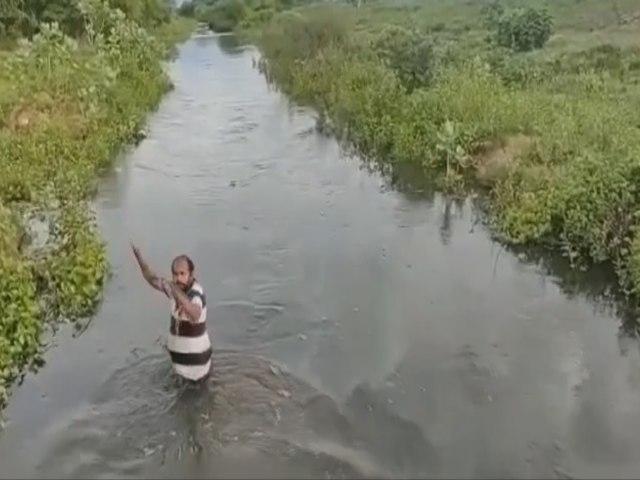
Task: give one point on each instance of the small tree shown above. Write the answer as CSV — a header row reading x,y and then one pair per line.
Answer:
x,y
409,53
522,29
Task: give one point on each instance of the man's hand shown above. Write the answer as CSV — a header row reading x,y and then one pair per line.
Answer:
x,y
147,272
136,252
183,302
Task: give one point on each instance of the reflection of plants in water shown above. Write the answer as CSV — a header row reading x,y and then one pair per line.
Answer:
x,y
451,207
229,44
597,284
629,331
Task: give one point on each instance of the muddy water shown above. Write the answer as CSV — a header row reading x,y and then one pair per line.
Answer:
x,y
360,330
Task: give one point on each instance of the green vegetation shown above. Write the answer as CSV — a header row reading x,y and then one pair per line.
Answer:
x,y
534,104
224,16
520,29
72,93
23,18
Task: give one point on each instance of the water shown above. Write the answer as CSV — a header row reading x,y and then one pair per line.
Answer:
x,y
360,331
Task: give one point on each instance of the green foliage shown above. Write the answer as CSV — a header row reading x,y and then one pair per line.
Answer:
x,y
20,18
78,267
18,303
187,9
23,17
632,273
292,38
520,29
146,13
66,107
409,53
552,135
225,15
492,13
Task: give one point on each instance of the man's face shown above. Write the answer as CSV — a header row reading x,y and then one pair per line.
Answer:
x,y
181,275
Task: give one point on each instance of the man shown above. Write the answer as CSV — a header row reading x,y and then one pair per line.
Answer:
x,y
188,343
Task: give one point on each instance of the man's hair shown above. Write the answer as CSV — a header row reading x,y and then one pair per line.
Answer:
x,y
183,258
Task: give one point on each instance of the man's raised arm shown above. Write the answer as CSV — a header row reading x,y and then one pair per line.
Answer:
x,y
147,272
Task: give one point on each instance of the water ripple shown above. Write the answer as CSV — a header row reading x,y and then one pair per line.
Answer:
x,y
144,418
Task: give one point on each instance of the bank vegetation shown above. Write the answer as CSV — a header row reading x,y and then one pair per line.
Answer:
x,y
77,80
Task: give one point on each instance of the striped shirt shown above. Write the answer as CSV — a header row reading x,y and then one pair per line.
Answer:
x,y
189,344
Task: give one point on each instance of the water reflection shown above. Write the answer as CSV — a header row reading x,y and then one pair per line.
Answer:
x,y
229,44
598,284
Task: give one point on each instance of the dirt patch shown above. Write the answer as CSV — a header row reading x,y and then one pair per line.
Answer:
x,y
42,111
494,158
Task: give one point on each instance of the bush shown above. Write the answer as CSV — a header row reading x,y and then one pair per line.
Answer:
x,y
187,9
520,29
290,38
19,18
225,15
146,13
409,53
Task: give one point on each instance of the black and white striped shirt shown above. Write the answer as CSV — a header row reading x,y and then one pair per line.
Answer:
x,y
189,344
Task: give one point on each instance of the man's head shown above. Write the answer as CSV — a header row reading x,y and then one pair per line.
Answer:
x,y
182,271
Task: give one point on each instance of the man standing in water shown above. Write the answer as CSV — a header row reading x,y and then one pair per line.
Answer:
x,y
188,343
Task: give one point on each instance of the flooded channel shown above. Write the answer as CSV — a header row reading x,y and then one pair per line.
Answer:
x,y
360,331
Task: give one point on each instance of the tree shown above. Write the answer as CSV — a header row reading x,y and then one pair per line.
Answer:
x,y
409,53
520,29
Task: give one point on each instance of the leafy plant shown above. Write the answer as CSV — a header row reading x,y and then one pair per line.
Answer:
x,y
409,53
521,29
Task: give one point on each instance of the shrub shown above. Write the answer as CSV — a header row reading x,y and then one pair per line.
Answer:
x,y
409,53
291,38
225,15
520,29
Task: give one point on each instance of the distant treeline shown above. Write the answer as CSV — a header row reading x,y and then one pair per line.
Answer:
x,y
230,15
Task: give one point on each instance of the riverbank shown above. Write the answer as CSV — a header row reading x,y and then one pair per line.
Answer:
x,y
546,126
67,107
